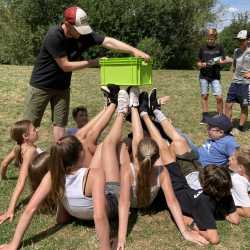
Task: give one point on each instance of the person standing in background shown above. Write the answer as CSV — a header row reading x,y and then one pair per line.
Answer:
x,y
211,57
60,54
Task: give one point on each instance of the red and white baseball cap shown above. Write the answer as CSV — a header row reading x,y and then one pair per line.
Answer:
x,y
78,18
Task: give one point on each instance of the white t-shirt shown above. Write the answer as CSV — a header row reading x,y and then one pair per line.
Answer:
x,y
239,191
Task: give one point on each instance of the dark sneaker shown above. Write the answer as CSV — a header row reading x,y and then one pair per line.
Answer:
x,y
110,92
143,102
153,102
203,119
202,122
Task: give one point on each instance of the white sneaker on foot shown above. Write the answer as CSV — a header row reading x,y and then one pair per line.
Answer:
x,y
134,93
123,102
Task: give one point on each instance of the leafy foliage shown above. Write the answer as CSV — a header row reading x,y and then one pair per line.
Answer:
x,y
240,22
172,26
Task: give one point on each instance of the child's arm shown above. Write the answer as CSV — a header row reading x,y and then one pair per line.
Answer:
x,y
175,209
124,200
5,163
42,191
100,210
27,159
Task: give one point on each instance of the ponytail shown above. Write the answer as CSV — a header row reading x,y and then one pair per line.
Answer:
x,y
143,183
63,155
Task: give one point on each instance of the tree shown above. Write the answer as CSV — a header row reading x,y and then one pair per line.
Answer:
x,y
239,22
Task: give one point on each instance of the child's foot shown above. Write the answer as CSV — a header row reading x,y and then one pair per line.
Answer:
x,y
123,102
143,102
134,93
110,92
153,102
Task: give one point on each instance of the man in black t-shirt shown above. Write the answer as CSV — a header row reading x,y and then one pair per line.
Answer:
x,y
210,58
60,54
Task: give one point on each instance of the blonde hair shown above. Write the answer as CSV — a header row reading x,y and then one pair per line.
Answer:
x,y
243,158
212,32
17,131
147,154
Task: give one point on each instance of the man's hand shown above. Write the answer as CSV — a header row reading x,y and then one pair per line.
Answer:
x,y
141,54
247,75
201,65
93,62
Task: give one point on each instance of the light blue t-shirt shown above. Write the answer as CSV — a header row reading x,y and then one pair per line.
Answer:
x,y
71,131
217,152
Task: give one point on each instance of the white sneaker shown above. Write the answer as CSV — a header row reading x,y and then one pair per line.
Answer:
x,y
123,101
134,93
235,131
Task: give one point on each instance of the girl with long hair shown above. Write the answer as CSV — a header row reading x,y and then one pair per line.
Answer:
x,y
141,178
25,135
88,193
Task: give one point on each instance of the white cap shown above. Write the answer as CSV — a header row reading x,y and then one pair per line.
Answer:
x,y
78,18
242,35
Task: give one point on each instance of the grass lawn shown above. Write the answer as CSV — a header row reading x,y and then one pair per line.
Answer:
x,y
147,231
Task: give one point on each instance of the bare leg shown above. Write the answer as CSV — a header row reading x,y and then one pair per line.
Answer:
x,y
58,132
204,103
228,109
243,115
82,133
100,123
136,129
163,147
109,150
219,102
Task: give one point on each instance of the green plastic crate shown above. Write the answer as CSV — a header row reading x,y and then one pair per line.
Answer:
x,y
125,71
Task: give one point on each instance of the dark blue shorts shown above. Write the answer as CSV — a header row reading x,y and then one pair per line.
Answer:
x,y
239,93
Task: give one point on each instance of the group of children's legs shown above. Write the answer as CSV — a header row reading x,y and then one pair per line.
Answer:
x,y
109,154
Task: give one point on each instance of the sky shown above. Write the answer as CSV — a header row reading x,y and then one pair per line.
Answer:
x,y
231,8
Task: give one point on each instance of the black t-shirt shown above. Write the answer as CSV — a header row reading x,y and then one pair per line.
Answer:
x,y
46,72
206,54
194,203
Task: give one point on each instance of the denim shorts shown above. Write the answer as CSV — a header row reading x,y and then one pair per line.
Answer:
x,y
112,192
215,86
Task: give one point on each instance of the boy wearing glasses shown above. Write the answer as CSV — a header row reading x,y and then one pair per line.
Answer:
x,y
220,144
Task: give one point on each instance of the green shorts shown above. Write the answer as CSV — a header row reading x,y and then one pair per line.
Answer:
x,y
37,101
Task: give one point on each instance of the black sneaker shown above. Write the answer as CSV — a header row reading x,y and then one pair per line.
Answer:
x,y
110,92
153,102
143,102
203,119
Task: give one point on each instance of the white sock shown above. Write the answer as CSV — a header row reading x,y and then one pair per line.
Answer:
x,y
159,116
143,113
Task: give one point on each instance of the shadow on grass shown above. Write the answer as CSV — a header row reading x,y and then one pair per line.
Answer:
x,y
236,122
23,202
42,235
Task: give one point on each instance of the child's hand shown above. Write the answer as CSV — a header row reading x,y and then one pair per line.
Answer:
x,y
195,237
7,247
247,75
9,215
